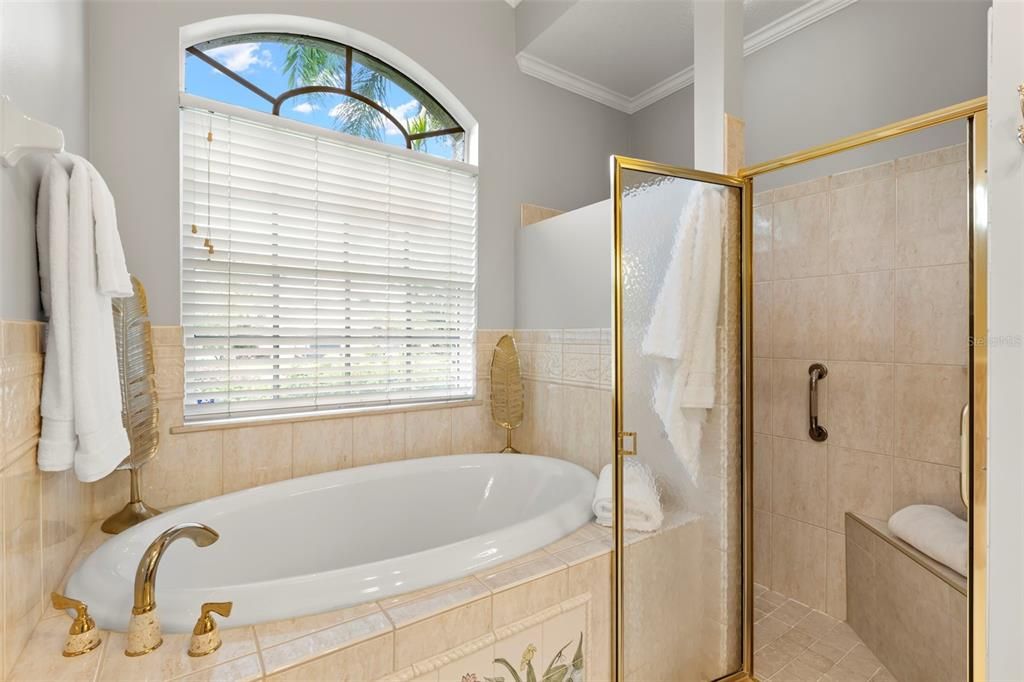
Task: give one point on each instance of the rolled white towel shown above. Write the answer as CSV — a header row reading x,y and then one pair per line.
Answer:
x,y
643,504
935,531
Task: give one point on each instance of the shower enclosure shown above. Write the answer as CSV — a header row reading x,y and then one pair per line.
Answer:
x,y
683,388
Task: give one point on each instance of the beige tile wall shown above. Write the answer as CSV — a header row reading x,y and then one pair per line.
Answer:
x,y
865,271
43,516
568,411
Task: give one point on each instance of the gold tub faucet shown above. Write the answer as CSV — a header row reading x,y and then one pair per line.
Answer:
x,y
144,628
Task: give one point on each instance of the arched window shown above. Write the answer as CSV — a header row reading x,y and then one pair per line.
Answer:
x,y
328,223
323,83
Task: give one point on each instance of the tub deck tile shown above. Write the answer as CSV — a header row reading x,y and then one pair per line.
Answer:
x,y
504,578
41,659
281,631
171,660
324,642
245,669
416,606
577,554
585,534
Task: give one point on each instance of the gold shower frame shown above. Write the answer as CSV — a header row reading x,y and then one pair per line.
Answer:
x,y
973,112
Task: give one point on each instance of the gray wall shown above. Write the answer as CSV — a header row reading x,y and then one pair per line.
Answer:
x,y
867,65
43,71
564,270
872,63
663,131
538,144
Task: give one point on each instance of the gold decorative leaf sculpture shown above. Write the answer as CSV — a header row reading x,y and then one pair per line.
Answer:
x,y
139,413
506,388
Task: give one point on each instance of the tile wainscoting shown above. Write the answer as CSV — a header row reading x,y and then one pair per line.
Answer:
x,y
865,271
43,516
567,416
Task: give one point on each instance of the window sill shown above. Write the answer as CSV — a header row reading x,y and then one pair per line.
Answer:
x,y
265,420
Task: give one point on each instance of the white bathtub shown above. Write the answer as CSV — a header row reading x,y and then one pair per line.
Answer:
x,y
323,542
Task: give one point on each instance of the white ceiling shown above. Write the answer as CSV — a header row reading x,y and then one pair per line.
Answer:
x,y
630,53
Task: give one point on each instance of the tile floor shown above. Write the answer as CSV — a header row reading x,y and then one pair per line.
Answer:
x,y
795,643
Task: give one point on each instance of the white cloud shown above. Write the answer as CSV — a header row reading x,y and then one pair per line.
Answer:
x,y
241,56
305,107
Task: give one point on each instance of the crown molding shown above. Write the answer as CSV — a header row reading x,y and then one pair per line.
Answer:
x,y
549,73
800,18
788,24
673,83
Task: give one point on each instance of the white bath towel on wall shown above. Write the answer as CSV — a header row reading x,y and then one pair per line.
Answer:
x,y
682,333
642,510
935,531
82,267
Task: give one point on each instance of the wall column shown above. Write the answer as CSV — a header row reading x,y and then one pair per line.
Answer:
x,y
718,85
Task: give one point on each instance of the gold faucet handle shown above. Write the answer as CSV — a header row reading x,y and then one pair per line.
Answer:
x,y
206,635
83,636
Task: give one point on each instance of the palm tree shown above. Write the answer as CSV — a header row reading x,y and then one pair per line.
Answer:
x,y
307,64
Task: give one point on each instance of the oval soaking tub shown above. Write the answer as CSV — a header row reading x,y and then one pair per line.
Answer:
x,y
324,542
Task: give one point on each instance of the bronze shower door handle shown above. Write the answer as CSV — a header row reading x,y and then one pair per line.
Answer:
x,y
817,372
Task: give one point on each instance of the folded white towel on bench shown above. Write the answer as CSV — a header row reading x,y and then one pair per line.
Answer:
x,y
935,531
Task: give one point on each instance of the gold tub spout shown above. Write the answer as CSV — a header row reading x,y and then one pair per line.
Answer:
x,y
144,628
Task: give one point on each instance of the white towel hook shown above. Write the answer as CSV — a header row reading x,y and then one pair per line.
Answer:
x,y
21,135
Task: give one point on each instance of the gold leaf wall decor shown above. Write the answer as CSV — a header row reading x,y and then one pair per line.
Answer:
x,y
506,388
139,413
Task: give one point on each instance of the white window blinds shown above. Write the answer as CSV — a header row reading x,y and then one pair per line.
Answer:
x,y
320,274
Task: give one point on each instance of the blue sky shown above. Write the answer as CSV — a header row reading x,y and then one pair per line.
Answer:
x,y
262,64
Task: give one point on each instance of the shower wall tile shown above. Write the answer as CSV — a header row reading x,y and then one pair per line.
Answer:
x,y
916,482
762,315
801,189
861,316
763,547
762,398
800,237
956,153
861,176
894,340
799,561
799,480
929,399
799,318
858,482
763,243
836,576
861,406
934,215
762,465
931,315
862,226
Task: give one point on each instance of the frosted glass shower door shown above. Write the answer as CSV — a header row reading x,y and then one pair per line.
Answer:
x,y
678,262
